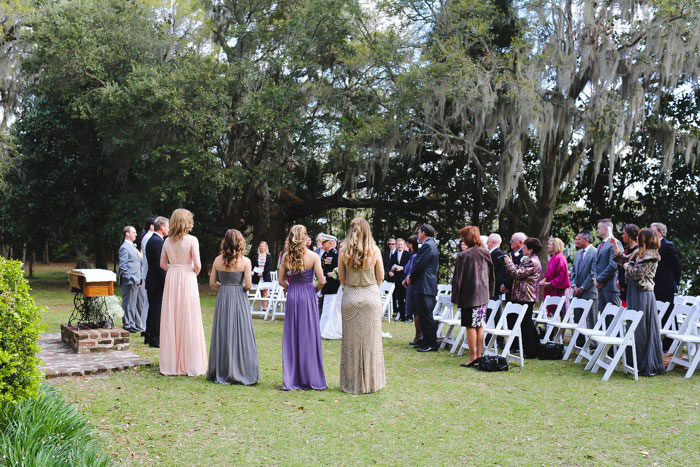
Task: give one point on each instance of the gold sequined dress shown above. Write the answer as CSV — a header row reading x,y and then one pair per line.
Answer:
x,y
361,355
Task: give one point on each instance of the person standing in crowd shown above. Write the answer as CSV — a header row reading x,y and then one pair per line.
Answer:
x,y
462,246
517,244
582,276
233,352
183,350
423,278
130,280
329,262
262,259
668,274
556,279
499,264
302,356
640,269
412,243
143,294
308,243
525,290
155,280
388,258
605,268
472,286
398,273
361,272
319,245
629,238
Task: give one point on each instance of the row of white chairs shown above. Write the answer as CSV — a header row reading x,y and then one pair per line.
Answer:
x,y
268,307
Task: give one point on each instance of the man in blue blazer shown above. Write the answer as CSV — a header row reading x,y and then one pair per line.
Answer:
x,y
131,280
423,278
582,275
605,267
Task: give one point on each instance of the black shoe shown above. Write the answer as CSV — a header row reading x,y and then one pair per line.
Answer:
x,y
427,348
417,342
143,333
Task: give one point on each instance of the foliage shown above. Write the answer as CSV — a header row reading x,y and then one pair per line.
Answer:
x,y
19,329
45,430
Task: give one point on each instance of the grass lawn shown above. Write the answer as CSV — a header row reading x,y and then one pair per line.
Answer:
x,y
431,412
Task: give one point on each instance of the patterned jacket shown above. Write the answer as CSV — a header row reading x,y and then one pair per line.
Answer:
x,y
640,269
526,275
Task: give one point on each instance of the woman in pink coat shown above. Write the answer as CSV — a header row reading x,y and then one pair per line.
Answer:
x,y
556,279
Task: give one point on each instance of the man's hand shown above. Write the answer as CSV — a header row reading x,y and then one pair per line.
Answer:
x,y
578,291
503,289
409,281
391,274
597,284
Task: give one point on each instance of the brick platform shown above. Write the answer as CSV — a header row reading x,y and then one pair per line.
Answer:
x,y
60,360
90,340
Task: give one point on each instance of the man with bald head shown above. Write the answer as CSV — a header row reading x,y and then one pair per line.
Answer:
x,y
493,244
517,243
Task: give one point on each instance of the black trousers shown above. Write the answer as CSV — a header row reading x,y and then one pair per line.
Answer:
x,y
400,300
423,307
531,343
155,300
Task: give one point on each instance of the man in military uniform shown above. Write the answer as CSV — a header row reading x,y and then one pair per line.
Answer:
x,y
329,262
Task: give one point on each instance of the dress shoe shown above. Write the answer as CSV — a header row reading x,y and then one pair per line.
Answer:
x,y
418,342
427,348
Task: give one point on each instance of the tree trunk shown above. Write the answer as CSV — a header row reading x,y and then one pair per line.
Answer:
x,y
32,257
81,260
45,258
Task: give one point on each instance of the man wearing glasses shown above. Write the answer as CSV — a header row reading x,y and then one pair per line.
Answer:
x,y
389,256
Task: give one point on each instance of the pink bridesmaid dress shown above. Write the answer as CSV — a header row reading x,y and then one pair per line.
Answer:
x,y
182,347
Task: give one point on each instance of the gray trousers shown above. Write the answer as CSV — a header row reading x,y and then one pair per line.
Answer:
x,y
608,296
142,306
130,305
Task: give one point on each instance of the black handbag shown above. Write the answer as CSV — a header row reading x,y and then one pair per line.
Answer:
x,y
491,363
551,351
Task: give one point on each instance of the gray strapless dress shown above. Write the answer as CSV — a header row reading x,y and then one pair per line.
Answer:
x,y
233,354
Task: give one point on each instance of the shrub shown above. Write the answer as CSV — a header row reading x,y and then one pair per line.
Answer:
x,y
47,431
20,325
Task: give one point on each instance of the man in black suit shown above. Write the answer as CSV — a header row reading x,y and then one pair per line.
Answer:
x,y
155,280
388,258
517,242
396,272
423,278
329,262
668,272
493,244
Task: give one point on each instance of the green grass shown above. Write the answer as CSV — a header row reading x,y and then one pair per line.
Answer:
x,y
431,412
47,431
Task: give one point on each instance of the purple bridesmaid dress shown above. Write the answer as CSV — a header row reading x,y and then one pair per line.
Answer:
x,y
302,359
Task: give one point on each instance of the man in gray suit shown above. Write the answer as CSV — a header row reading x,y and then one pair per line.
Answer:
x,y
130,279
605,267
142,302
582,275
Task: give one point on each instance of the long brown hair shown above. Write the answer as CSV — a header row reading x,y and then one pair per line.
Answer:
x,y
648,240
359,244
181,223
294,259
232,247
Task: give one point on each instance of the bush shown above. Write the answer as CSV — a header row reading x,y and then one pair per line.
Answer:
x,y
47,431
19,329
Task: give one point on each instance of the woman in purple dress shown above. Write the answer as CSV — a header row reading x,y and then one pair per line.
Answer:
x,y
302,359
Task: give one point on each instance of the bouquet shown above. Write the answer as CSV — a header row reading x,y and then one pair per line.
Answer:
x,y
112,306
334,274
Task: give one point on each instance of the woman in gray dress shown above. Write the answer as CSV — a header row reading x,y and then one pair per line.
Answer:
x,y
233,355
640,269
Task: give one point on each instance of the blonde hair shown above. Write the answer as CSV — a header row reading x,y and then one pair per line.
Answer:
x,y
557,244
181,223
359,244
232,247
294,259
267,248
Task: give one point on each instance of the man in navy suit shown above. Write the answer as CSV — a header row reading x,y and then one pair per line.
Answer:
x,y
423,278
605,267
398,263
668,273
155,280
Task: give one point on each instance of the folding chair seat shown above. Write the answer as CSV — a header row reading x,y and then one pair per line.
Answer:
x,y
461,341
688,337
509,334
386,293
620,337
611,313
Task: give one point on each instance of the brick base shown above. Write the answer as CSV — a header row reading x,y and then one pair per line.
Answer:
x,y
91,340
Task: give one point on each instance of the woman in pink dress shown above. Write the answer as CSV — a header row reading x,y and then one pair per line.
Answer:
x,y
556,279
182,347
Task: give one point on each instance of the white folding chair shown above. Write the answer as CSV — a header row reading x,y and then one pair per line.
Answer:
x,y
688,337
509,334
277,303
386,293
273,276
622,336
492,308
258,304
569,323
661,308
611,313
444,310
540,315
452,324
680,308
